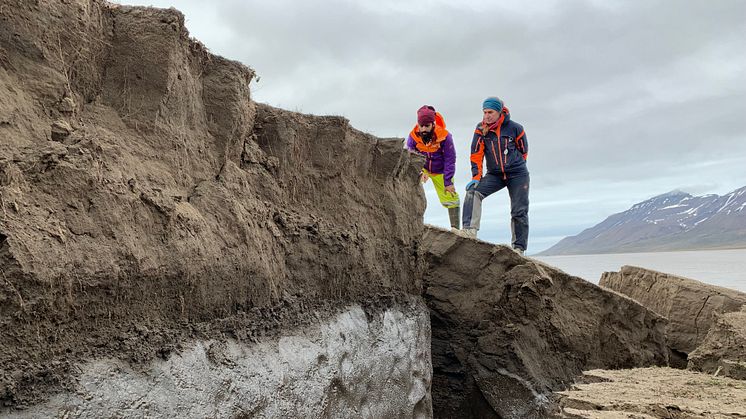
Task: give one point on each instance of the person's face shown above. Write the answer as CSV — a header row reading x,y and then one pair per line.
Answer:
x,y
426,128
491,116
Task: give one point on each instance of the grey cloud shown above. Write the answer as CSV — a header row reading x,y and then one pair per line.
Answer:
x,y
621,100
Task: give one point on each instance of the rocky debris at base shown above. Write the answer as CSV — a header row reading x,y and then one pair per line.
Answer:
x,y
508,330
653,393
691,306
723,350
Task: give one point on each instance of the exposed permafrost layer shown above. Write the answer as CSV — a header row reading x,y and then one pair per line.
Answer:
x,y
146,202
357,364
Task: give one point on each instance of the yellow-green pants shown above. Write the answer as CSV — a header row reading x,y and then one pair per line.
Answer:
x,y
447,199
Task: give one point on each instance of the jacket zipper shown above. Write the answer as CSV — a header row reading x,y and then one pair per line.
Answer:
x,y
497,159
499,144
500,159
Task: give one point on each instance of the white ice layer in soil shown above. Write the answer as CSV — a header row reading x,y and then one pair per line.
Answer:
x,y
353,365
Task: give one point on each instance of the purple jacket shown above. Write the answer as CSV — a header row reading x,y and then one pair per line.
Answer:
x,y
441,161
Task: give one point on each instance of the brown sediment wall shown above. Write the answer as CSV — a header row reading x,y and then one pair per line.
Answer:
x,y
149,205
508,330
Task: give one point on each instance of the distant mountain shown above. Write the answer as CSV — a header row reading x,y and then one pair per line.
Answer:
x,y
672,221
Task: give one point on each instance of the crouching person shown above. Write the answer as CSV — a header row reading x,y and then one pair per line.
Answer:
x,y
431,139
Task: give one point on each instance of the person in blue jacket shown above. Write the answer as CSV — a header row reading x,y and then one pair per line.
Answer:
x,y
501,143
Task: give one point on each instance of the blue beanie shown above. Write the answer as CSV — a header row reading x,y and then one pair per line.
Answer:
x,y
493,103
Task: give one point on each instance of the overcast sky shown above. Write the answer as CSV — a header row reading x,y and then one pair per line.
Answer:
x,y
621,100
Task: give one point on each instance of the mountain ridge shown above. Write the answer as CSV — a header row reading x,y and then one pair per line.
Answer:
x,y
674,220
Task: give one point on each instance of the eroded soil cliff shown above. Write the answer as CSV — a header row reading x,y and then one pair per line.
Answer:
x,y
509,330
146,201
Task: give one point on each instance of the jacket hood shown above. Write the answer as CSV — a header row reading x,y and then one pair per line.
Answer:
x,y
440,135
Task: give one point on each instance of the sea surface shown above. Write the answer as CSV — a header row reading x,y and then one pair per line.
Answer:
x,y
725,268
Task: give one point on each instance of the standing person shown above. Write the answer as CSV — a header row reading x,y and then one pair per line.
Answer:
x,y
431,139
502,143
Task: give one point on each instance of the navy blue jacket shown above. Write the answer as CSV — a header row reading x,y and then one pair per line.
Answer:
x,y
504,146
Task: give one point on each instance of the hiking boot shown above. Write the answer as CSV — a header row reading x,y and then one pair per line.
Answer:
x,y
469,233
454,215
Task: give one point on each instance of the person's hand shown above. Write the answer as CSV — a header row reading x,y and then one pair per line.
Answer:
x,y
472,185
450,189
424,177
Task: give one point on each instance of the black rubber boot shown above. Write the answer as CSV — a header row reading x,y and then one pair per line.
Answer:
x,y
455,215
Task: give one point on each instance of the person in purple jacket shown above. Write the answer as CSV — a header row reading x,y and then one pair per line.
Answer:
x,y
431,139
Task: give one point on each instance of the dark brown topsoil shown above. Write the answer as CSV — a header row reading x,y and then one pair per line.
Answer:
x,y
145,200
508,331
691,306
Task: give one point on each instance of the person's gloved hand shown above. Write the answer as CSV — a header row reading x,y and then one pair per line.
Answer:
x,y
472,185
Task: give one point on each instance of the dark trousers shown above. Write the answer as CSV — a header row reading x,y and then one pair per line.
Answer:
x,y
518,191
